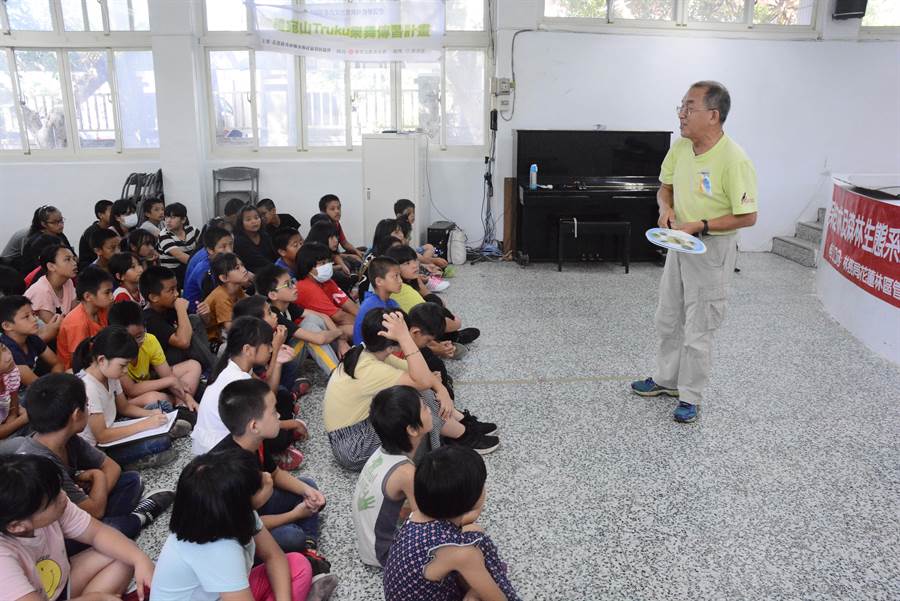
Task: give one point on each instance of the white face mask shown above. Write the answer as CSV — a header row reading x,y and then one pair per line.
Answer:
x,y
324,272
130,220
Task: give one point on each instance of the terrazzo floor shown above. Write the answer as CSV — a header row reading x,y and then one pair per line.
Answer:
x,y
787,488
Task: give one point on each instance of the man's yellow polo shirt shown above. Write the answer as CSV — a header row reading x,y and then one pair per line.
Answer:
x,y
719,182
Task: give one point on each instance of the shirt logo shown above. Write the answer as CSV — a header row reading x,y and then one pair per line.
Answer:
x,y
747,199
704,183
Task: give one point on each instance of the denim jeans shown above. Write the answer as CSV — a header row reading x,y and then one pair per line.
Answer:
x,y
131,452
291,537
120,502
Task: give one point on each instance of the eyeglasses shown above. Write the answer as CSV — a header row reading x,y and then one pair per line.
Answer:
x,y
288,284
689,110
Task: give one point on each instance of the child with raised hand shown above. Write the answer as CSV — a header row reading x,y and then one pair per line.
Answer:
x,y
216,533
174,384
287,243
94,290
105,244
13,418
384,492
102,211
330,205
216,241
127,269
231,277
101,362
152,210
177,241
35,518
20,336
383,274
440,553
52,295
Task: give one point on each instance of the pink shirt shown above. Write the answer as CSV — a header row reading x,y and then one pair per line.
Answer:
x,y
39,564
43,298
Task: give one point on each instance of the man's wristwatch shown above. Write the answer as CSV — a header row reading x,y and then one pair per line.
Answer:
x,y
705,227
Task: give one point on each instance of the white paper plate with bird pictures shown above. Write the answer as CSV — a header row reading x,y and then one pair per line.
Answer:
x,y
676,240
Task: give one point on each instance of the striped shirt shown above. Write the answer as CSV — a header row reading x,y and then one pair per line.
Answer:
x,y
169,241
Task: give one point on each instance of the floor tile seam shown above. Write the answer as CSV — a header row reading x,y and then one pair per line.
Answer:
x,y
544,380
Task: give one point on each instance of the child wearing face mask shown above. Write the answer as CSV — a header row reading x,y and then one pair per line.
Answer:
x,y
316,290
123,216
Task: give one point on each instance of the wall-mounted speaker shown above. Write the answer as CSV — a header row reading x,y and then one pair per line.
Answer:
x,y
849,9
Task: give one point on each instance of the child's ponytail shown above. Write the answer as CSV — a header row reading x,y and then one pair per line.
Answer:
x,y
373,323
245,330
113,342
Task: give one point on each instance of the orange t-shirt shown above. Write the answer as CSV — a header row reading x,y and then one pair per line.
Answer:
x,y
75,327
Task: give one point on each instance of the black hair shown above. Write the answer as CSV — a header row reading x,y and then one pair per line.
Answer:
x,y
126,313
11,281
222,264
372,323
244,330
405,226
449,481
123,206
90,279
48,255
213,500
10,305
267,278
402,205
428,317
319,218
251,306
29,484
100,236
320,232
239,224
137,238
323,202
382,245
40,217
266,203
148,204
176,209
308,256
379,268
112,342
212,235
401,254
241,401
101,206
282,237
233,206
52,399
121,263
391,412
152,280
384,229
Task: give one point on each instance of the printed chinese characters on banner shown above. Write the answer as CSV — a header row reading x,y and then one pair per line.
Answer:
x,y
863,243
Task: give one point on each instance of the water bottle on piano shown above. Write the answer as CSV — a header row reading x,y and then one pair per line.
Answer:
x,y
532,177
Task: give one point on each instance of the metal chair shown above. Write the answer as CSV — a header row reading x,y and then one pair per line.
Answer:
x,y
249,175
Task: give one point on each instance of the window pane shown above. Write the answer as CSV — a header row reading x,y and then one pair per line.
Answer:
x,y
230,71
94,117
31,15
465,97
717,11
465,15
882,13
370,94
137,99
421,106
595,9
651,10
277,107
128,15
326,114
73,15
10,138
226,15
786,12
45,115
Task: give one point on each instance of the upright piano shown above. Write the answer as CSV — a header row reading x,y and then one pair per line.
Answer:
x,y
595,176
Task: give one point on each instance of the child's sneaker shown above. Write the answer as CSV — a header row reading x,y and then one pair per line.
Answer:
x,y
180,429
650,388
302,386
436,284
319,564
322,587
481,444
471,422
154,460
289,460
154,505
187,415
467,335
685,413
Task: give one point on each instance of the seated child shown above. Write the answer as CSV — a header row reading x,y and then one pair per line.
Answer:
x,y
123,216
142,243
405,210
178,241
383,276
100,362
105,243
53,293
287,243
251,241
384,492
272,219
86,254
152,215
317,291
216,241
20,327
175,384
57,406
216,533
230,212
94,290
126,269
324,233
35,518
330,204
13,418
441,539
182,336
231,277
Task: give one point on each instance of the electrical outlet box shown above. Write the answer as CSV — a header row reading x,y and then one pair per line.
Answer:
x,y
501,86
504,104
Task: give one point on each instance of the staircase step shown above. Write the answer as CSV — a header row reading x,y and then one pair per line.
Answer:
x,y
820,216
810,230
796,249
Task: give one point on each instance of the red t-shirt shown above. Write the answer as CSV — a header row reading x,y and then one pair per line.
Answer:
x,y
342,239
324,298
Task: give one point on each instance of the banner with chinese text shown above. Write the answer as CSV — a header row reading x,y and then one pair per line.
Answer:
x,y
862,243
392,30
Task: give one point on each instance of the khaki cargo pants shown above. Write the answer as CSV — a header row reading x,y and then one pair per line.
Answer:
x,y
692,295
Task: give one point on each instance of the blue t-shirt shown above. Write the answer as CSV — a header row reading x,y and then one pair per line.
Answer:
x,y
197,269
28,356
280,262
371,301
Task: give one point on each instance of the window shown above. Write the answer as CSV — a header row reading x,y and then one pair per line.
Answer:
x,y
276,93
326,108
29,15
882,13
420,95
43,112
465,97
10,137
137,98
77,15
370,99
95,118
231,95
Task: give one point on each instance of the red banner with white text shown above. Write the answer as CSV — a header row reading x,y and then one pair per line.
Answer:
x,y
862,243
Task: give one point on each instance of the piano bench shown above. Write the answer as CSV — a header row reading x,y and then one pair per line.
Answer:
x,y
574,226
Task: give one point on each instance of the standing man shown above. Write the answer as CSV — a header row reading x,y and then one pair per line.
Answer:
x,y
708,190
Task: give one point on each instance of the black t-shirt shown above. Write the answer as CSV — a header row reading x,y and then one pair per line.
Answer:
x,y
287,220
254,256
289,321
262,454
163,324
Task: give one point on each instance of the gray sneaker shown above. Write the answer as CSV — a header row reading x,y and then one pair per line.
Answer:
x,y
180,429
459,351
155,460
154,505
322,587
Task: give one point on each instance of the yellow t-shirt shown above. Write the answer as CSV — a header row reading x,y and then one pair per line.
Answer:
x,y
719,182
407,298
149,353
347,399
